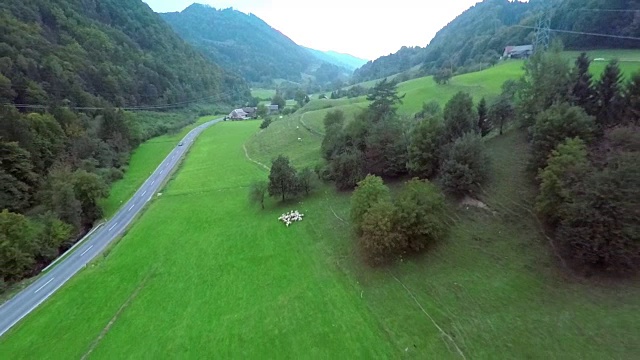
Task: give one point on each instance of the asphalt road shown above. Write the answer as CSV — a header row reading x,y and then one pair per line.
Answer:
x,y
35,294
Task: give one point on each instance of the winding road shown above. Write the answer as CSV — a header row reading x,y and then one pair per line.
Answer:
x,y
35,294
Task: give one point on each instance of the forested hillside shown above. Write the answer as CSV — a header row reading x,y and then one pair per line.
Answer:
x,y
67,68
477,37
247,45
346,61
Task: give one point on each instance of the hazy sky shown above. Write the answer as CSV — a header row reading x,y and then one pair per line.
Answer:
x,y
364,28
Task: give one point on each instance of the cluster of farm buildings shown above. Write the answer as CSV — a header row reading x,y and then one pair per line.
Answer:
x,y
250,112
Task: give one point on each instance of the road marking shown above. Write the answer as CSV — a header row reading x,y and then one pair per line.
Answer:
x,y
45,284
161,171
144,193
86,250
153,182
114,225
131,208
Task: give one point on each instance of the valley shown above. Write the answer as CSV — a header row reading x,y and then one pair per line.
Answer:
x,y
457,203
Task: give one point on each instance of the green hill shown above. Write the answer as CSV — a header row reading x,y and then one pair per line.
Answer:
x,y
477,37
249,46
88,54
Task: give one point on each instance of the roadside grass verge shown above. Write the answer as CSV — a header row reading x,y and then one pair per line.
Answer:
x,y
144,160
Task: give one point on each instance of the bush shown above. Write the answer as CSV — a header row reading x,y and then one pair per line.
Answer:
x,y
420,215
258,191
466,165
265,123
553,126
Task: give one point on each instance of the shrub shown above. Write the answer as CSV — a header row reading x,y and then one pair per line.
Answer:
x,y
466,165
265,123
257,192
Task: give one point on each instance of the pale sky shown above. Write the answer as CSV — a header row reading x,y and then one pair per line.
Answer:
x,y
364,28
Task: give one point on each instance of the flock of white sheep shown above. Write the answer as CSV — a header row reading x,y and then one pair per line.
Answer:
x,y
290,217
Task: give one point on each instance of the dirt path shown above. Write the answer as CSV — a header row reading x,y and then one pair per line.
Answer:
x,y
246,153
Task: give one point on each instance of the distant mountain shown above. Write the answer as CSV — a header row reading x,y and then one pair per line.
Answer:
x,y
90,53
479,35
346,61
246,44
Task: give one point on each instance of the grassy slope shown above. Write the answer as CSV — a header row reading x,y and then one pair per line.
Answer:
x,y
143,162
494,286
209,284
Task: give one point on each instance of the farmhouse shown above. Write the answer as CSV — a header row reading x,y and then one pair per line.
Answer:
x,y
517,52
238,114
251,112
273,109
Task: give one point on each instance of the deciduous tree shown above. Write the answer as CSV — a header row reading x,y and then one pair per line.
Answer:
x,y
369,192
459,116
420,212
425,150
282,178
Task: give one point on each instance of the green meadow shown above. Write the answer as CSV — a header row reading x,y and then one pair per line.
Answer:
x,y
143,162
205,274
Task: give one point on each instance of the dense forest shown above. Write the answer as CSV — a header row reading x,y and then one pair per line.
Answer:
x,y
477,37
67,70
247,45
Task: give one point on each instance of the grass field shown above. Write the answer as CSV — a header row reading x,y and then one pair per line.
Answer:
x,y
143,162
191,279
203,274
263,94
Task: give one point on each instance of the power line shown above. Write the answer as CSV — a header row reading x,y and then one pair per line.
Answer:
x,y
583,33
609,10
129,108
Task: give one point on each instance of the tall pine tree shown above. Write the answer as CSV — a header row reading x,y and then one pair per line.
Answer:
x,y
632,98
483,118
610,109
582,92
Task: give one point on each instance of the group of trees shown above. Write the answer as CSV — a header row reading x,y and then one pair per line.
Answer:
x,y
54,169
351,92
586,153
388,229
379,142
284,182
